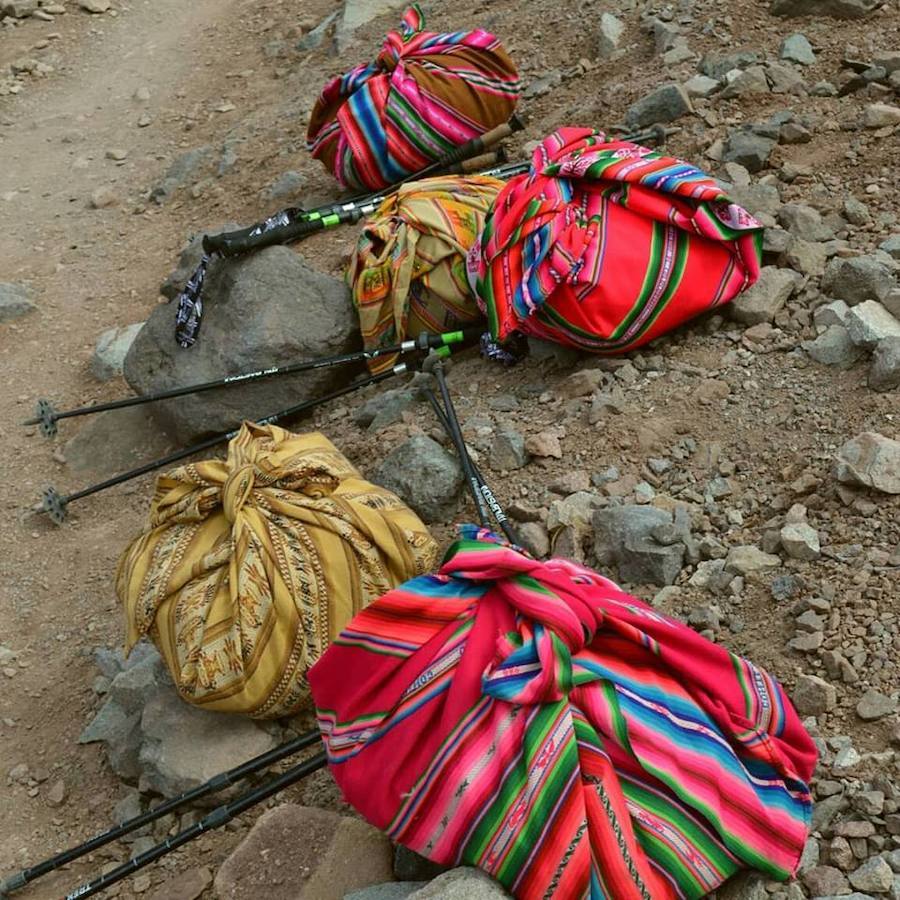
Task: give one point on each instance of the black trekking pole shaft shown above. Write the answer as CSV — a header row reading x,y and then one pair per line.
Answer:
x,y
311,221
459,442
224,436
484,490
214,785
216,819
422,342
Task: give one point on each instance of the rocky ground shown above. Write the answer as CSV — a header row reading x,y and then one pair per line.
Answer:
x,y
742,474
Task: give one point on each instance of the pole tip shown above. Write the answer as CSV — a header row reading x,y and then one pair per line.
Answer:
x,y
54,504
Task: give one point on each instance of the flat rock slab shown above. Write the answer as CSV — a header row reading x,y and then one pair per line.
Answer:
x,y
301,853
462,884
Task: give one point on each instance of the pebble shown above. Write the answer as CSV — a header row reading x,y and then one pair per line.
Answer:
x,y
664,104
57,795
95,6
116,153
103,198
544,444
813,696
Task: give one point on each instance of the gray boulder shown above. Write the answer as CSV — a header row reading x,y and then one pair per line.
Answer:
x,y
718,65
870,460
833,347
869,323
763,300
268,309
838,9
14,301
858,279
624,538
751,150
423,474
665,104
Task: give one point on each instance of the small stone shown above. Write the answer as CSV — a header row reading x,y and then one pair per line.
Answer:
x,y
288,185
873,875
508,451
856,212
800,541
702,86
858,279
116,153
804,223
875,705
425,475
871,460
745,82
142,94
839,9
94,6
19,9
785,79
813,696
14,301
544,444
534,539
807,643
57,795
112,348
750,150
763,301
826,881
188,885
337,855
891,246
103,198
881,115
885,372
796,48
665,104
461,884
869,323
610,36
833,313
834,348
806,257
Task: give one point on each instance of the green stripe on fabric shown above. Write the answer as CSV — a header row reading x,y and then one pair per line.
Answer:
x,y
651,276
511,789
400,112
708,847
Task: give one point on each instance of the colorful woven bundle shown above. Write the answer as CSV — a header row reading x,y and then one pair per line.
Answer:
x,y
531,719
251,566
423,96
408,273
606,245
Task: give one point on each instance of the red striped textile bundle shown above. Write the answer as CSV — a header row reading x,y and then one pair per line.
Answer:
x,y
533,720
424,95
605,245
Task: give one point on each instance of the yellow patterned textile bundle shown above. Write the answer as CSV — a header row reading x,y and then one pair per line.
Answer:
x,y
251,566
408,273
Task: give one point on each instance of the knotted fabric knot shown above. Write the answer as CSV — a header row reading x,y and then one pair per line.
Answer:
x,y
554,619
237,489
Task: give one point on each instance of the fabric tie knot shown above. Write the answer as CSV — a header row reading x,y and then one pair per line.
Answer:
x,y
555,619
237,489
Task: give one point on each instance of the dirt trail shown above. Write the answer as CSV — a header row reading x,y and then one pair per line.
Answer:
x,y
88,269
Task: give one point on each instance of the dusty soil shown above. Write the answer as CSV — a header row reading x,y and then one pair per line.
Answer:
x,y
213,73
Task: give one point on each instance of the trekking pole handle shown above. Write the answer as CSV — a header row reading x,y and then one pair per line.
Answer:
x,y
235,243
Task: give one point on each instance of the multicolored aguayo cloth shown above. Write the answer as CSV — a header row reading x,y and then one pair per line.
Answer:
x,y
423,96
606,245
408,273
531,719
252,566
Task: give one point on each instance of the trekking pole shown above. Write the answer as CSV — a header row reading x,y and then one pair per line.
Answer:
x,y
488,495
55,504
47,416
434,365
235,242
213,786
216,819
